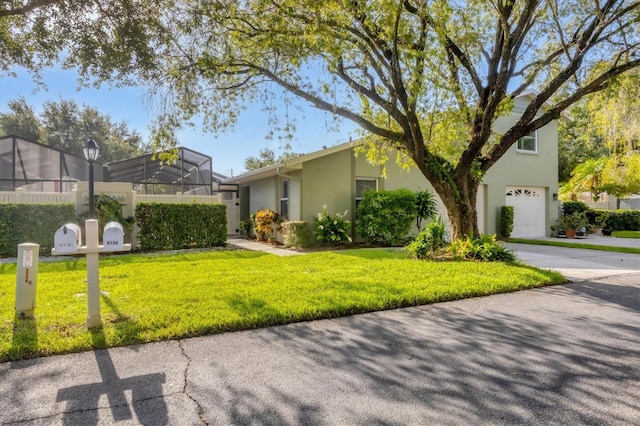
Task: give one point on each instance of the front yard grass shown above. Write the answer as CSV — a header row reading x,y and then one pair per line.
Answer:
x,y
626,234
570,244
160,297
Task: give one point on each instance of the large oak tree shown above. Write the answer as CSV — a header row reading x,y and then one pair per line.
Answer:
x,y
426,77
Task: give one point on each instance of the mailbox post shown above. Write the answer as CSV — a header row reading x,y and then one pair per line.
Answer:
x,y
113,239
93,277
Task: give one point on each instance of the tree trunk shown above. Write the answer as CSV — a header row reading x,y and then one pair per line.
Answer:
x,y
459,198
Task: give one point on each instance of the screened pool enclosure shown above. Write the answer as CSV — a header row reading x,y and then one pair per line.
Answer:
x,y
32,166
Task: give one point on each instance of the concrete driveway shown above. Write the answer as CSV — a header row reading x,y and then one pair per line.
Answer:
x,y
562,355
578,264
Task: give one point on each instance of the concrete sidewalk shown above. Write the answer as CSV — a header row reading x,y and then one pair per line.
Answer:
x,y
257,246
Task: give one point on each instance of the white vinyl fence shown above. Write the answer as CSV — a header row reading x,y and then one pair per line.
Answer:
x,y
37,197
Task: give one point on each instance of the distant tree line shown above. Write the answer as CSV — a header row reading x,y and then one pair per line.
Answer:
x,y
267,157
66,126
599,143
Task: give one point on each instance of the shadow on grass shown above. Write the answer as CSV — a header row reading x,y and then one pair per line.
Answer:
x,y
146,393
25,339
127,330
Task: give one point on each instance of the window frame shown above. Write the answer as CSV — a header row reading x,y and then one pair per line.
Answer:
x,y
358,199
522,150
285,188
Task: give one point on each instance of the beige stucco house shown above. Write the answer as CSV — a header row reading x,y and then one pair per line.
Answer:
x,y
526,178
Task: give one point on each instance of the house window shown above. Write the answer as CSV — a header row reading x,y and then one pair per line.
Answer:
x,y
528,144
362,186
284,199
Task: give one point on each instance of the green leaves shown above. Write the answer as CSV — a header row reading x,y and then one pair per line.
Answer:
x,y
332,229
386,216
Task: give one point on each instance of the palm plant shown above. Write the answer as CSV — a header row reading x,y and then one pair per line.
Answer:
x,y
426,207
587,176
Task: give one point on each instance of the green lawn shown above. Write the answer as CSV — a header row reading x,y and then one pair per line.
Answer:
x,y
158,297
626,234
568,243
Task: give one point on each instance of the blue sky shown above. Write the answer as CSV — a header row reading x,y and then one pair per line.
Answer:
x,y
127,104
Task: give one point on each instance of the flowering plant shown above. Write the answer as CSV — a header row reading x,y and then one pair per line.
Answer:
x,y
332,229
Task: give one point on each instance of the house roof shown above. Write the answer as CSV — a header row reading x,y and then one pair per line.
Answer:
x,y
288,165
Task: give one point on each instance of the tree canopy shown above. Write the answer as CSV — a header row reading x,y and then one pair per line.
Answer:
x,y
601,142
65,126
267,157
110,40
578,140
426,77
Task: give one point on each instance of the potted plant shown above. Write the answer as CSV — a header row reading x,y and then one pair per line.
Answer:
x,y
601,223
572,223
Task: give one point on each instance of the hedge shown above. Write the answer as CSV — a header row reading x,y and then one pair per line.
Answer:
x,y
506,221
169,226
571,207
297,234
616,220
33,223
386,216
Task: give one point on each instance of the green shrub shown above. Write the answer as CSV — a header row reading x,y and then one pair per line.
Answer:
x,y
108,209
34,223
570,207
597,218
386,216
246,228
297,234
576,221
615,220
623,220
170,226
484,248
332,229
429,241
506,221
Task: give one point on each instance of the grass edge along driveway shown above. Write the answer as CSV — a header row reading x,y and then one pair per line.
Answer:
x,y
149,298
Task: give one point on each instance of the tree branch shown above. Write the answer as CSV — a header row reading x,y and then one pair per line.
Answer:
x,y
327,106
27,8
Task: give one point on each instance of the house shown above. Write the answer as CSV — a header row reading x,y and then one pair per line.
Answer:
x,y
525,177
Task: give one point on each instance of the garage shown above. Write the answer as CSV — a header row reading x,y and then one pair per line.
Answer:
x,y
529,208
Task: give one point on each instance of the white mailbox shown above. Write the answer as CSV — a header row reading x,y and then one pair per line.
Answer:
x,y
67,239
113,237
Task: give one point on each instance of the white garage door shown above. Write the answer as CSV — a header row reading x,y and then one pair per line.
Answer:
x,y
529,208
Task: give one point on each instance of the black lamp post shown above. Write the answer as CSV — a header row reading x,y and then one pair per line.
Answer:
x,y
90,151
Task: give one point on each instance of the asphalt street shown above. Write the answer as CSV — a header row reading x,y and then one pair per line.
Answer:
x,y
564,355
